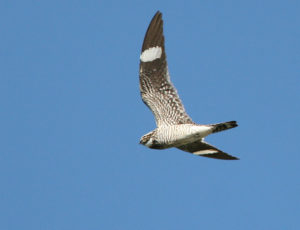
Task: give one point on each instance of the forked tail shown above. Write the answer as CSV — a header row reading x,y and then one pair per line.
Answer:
x,y
224,126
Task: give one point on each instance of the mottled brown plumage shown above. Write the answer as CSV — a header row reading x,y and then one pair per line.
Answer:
x,y
174,126
156,88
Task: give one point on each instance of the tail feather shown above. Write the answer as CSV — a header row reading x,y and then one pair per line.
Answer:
x,y
224,126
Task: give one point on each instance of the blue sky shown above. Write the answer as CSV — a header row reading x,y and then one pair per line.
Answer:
x,y
71,116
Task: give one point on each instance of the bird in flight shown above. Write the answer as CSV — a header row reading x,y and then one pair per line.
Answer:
x,y
174,126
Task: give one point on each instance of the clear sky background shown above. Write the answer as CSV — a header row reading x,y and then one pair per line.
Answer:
x,y
71,116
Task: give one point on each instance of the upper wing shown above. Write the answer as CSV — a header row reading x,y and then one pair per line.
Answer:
x,y
202,148
157,91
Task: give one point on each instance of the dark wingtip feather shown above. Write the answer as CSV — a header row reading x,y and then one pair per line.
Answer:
x,y
220,156
154,35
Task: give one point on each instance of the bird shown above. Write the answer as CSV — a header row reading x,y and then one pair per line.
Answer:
x,y
175,128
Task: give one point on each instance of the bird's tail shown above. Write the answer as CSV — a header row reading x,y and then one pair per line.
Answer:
x,y
223,126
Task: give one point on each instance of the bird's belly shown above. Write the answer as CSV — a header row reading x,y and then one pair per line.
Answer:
x,y
182,134
183,140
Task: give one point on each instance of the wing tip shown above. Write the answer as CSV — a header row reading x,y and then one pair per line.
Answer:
x,y
154,34
158,12
220,156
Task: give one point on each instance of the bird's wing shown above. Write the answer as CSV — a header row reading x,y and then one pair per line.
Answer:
x,y
157,91
204,149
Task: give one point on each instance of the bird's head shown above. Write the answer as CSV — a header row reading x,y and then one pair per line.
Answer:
x,y
147,139
150,141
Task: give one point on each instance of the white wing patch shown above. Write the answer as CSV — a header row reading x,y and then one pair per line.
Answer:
x,y
151,54
206,151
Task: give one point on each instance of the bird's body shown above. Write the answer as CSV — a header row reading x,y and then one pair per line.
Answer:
x,y
168,136
174,127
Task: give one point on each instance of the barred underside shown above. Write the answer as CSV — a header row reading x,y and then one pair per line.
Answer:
x,y
177,135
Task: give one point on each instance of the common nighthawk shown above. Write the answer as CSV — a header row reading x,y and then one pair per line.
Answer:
x,y
174,126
